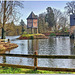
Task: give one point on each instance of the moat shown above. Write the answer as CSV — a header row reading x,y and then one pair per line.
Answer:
x,y
51,46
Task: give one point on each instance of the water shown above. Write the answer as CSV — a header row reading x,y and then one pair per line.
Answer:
x,y
51,46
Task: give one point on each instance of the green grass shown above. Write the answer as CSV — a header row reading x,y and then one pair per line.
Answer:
x,y
52,34
7,70
10,70
28,35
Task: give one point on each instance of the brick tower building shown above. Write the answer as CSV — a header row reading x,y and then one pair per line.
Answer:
x,y
32,23
72,23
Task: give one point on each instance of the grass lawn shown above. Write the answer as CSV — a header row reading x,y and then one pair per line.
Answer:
x,y
10,70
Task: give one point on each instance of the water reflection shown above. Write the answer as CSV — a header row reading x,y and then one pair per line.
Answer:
x,y
51,46
63,46
32,47
22,47
4,59
72,46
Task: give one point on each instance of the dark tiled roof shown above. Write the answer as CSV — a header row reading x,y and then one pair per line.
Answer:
x,y
32,16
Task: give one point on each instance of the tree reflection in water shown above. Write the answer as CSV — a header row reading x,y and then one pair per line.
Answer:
x,y
32,47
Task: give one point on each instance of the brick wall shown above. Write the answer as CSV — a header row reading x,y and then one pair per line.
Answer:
x,y
72,28
29,22
35,23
